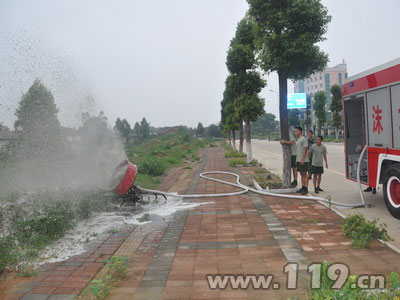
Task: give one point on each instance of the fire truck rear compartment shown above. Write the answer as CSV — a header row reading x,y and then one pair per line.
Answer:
x,y
355,137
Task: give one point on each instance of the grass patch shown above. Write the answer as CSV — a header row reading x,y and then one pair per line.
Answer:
x,y
238,162
362,231
267,179
350,288
116,270
233,153
260,170
43,218
158,154
144,218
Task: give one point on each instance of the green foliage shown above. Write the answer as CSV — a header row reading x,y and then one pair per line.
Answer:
x,y
123,128
26,272
214,131
240,57
157,154
288,33
144,218
260,170
237,162
153,166
240,98
319,107
294,119
8,255
363,231
141,132
40,130
350,290
43,227
95,129
233,153
266,123
116,270
46,217
336,106
200,129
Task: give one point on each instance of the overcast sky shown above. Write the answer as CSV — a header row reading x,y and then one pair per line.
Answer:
x,y
164,60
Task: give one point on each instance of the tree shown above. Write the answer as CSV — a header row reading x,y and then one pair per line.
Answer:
x,y
141,131
247,83
293,117
123,128
228,116
136,132
336,108
288,32
144,129
319,108
213,130
267,123
200,129
94,129
37,120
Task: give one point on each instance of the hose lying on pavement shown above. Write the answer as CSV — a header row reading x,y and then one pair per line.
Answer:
x,y
246,189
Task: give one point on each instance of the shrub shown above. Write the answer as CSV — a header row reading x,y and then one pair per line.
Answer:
x,y
100,288
7,252
363,231
350,290
152,166
236,162
233,153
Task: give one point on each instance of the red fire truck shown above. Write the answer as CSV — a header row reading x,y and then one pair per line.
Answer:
x,y
371,103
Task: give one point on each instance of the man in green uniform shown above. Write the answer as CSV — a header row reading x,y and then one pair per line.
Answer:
x,y
293,164
310,141
302,159
318,152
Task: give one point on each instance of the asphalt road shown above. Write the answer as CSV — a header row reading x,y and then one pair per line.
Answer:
x,y
334,183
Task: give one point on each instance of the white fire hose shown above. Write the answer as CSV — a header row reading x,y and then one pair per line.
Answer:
x,y
246,189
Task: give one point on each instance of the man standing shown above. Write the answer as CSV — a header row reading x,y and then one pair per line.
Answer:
x,y
318,152
302,159
310,141
293,151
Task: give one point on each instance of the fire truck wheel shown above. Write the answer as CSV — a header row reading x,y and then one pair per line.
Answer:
x,y
391,191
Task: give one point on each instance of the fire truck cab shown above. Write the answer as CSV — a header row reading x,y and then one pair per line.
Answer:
x,y
371,105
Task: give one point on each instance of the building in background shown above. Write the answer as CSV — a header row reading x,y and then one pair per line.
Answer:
x,y
321,81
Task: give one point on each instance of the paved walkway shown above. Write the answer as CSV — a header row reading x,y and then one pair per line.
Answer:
x,y
246,234
270,154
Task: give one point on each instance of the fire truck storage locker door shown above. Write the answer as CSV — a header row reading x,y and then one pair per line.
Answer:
x,y
379,127
395,92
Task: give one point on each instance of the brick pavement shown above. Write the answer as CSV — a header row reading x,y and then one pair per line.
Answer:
x,y
246,234
68,278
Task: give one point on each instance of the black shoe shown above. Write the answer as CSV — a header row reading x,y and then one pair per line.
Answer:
x,y
316,191
305,191
294,183
300,190
374,191
368,189
319,189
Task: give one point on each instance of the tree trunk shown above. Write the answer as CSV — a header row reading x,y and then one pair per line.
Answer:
x,y
241,136
283,116
230,138
233,140
248,142
337,134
